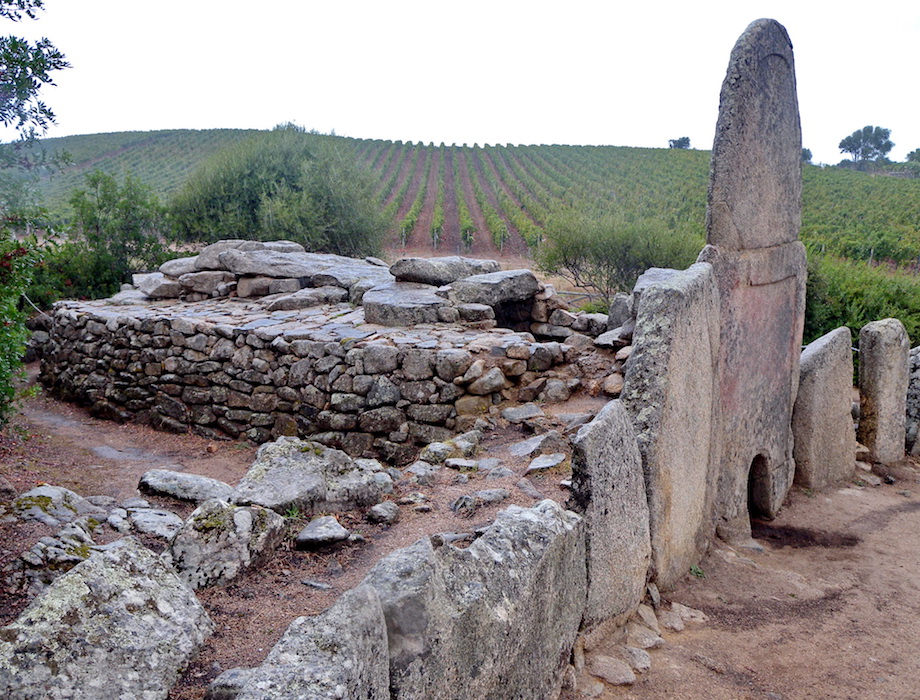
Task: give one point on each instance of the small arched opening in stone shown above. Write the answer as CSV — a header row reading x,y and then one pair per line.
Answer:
x,y
759,488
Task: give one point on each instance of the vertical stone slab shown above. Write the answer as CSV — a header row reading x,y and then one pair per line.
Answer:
x,y
341,653
912,444
755,184
608,489
753,217
493,621
822,424
671,393
883,379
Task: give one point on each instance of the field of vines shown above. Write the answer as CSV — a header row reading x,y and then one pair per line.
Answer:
x,y
493,200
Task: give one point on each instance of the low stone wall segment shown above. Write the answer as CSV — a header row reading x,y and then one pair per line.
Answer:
x,y
200,368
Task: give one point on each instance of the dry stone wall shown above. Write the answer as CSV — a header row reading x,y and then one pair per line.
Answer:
x,y
223,368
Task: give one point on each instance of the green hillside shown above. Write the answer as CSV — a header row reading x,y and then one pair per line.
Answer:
x,y
514,189
160,159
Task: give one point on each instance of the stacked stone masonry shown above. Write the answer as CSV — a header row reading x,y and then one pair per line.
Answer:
x,y
233,367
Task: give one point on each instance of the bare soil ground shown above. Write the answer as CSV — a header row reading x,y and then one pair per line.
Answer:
x,y
828,611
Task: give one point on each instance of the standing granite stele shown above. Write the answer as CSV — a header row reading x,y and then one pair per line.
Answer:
x,y
753,217
883,380
822,423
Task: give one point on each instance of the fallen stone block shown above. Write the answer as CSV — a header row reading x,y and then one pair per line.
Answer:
x,y
119,625
219,541
495,620
341,653
185,487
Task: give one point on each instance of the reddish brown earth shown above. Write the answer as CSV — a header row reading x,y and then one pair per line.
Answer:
x,y
450,239
421,234
483,245
515,243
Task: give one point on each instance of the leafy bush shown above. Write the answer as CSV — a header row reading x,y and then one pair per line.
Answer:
x,y
282,184
851,293
606,252
16,263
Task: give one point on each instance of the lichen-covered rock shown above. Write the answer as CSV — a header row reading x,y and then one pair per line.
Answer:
x,y
219,541
402,304
119,625
495,288
52,557
321,532
825,441
493,621
341,653
186,487
306,298
53,505
295,473
883,380
156,285
608,489
670,393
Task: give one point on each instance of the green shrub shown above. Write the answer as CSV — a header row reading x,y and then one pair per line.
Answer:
x,y
851,293
606,252
282,184
16,263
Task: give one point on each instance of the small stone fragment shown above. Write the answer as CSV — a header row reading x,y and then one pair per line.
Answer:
x,y
320,532
386,513
613,671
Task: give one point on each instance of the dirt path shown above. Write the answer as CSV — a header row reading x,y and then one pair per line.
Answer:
x,y
828,611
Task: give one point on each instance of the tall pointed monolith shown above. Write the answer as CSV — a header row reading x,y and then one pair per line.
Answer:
x,y
753,217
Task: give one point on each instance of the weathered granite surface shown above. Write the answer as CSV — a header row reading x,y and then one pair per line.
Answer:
x,y
493,621
825,441
883,382
753,215
671,391
119,625
608,489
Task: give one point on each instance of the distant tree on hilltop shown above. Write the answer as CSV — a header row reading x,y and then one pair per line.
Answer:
x,y
914,156
806,155
871,143
682,142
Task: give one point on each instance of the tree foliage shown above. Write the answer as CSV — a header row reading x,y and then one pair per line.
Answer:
x,y
24,69
16,263
914,156
867,144
606,252
282,184
806,155
682,142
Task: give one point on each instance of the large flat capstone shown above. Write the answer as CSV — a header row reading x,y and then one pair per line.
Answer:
x,y
402,304
440,271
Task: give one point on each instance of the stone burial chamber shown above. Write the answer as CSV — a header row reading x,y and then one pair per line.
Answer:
x,y
261,339
266,341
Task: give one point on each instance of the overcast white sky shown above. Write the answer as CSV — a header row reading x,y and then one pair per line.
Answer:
x,y
495,71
